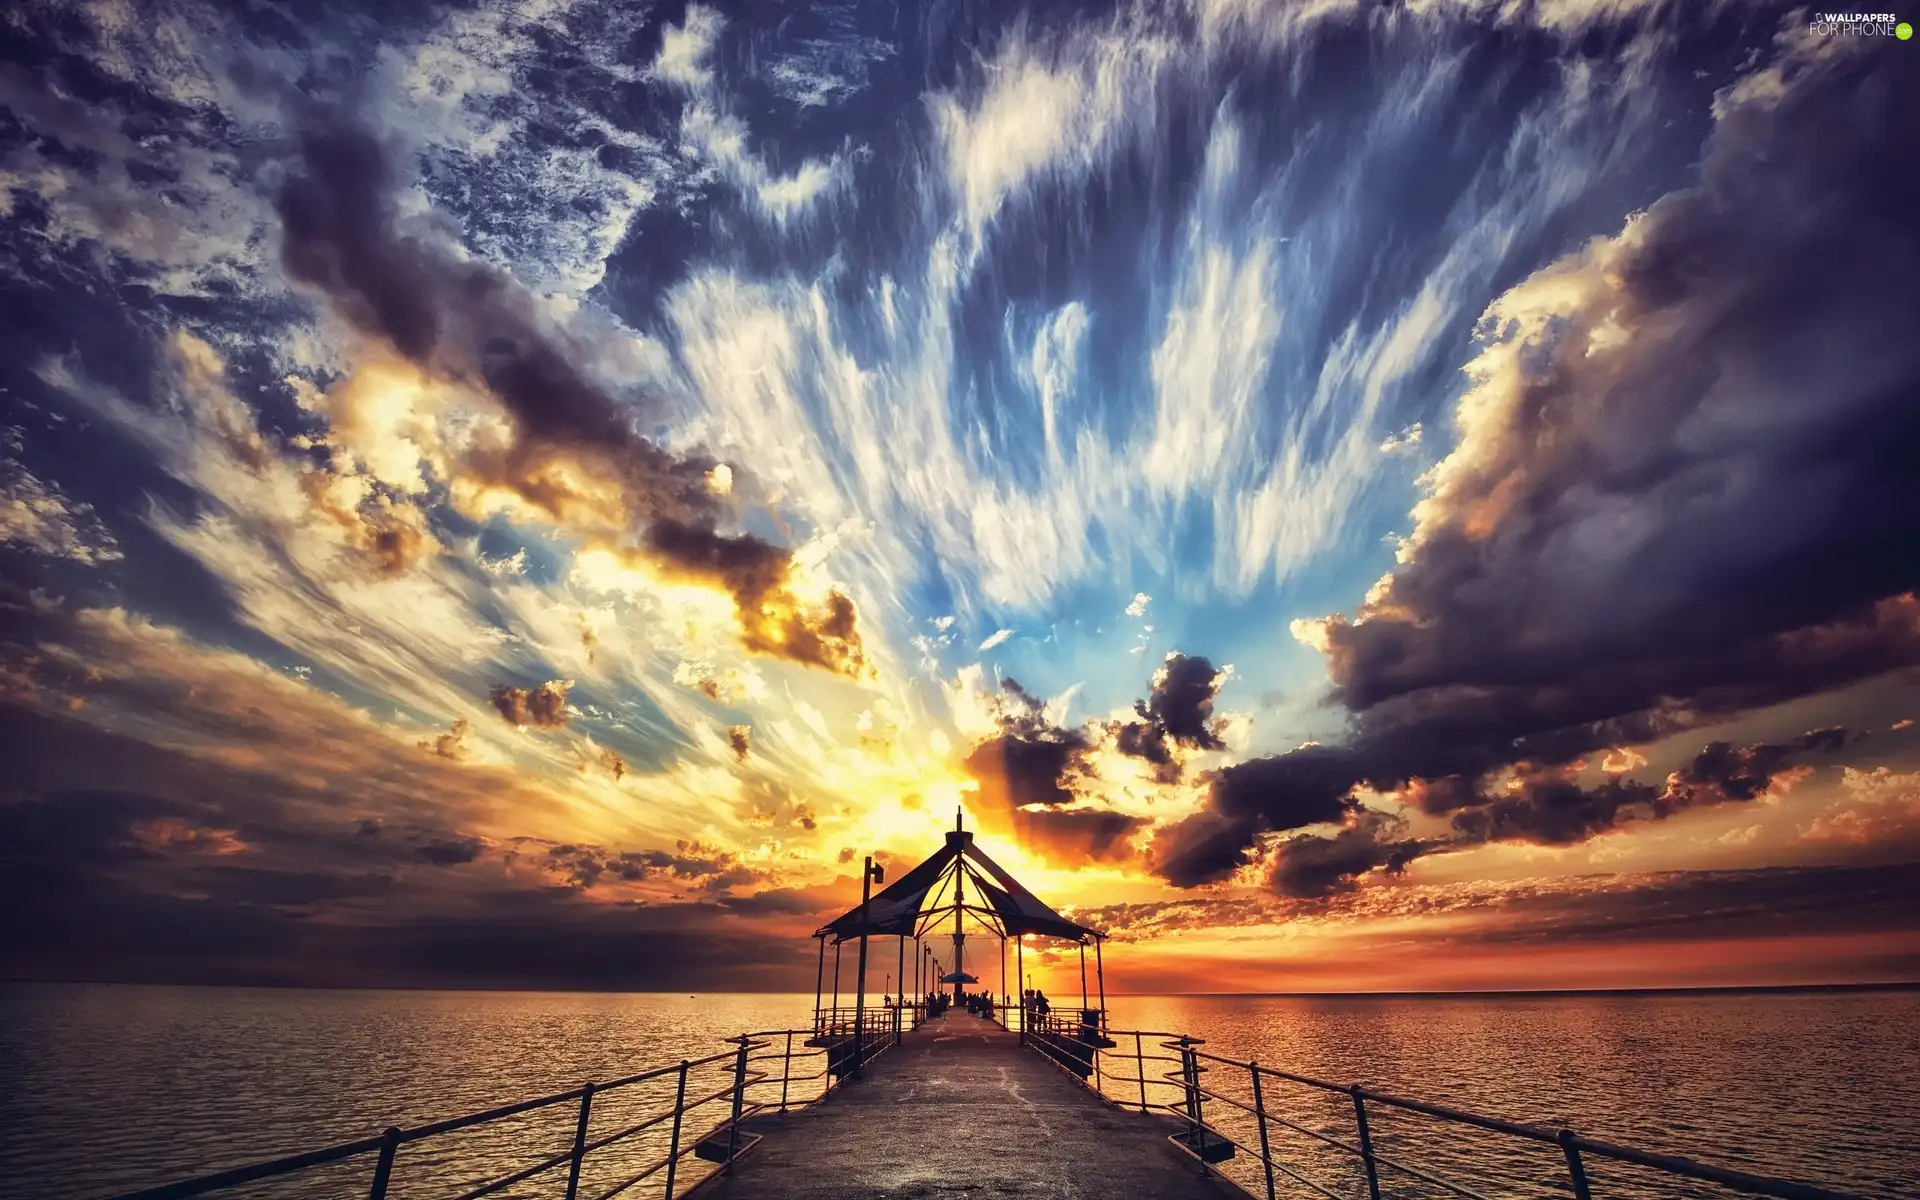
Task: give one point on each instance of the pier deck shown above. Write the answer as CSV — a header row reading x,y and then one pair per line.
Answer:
x,y
959,1108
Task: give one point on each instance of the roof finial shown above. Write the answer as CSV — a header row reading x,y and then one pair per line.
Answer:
x,y
957,826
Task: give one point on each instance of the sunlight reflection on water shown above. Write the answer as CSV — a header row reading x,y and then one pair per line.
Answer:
x,y
118,1087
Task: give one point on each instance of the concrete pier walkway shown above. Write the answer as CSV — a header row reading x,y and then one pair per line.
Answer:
x,y
959,1108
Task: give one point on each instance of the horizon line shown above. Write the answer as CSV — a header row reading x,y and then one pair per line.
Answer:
x,y
1443,994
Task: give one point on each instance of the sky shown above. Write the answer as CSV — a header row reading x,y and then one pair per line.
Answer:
x,y
1343,496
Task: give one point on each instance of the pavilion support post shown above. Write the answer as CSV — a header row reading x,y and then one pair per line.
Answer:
x,y
1100,971
1020,969
959,912
1083,978
819,980
900,973
833,1021
1003,977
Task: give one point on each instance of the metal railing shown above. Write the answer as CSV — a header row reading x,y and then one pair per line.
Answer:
x,y
1210,1142
839,1022
1096,1057
746,1084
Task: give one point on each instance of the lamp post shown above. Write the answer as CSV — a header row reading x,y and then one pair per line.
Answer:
x,y
869,876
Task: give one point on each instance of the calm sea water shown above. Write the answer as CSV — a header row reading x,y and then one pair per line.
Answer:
x,y
110,1088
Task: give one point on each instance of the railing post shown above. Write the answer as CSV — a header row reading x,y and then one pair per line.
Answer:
x,y
383,1169
1366,1142
739,1097
1576,1169
580,1141
1190,1073
1260,1115
673,1142
786,1071
1140,1068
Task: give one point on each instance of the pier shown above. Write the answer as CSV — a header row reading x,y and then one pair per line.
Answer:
x,y
959,1108
977,1093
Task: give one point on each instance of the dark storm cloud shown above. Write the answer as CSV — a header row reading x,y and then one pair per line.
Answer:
x,y
463,320
1029,760
1027,773
1724,772
1246,800
450,853
1683,488
544,707
1307,867
740,738
1689,905
824,900
1677,905
1178,712
341,234
1311,786
168,869
1557,811
1077,835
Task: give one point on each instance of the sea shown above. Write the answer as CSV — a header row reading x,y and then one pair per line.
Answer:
x,y
108,1088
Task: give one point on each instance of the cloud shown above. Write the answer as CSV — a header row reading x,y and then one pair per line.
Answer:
x,y
567,449
995,639
169,835
1029,761
1176,715
1049,108
613,763
739,739
686,48
710,131
451,853
1590,910
187,911
1307,866
37,516
1402,442
544,707
689,863
1643,527
1137,607
80,182
1314,785
1076,836
1030,776
1547,807
1246,800
1876,808
451,745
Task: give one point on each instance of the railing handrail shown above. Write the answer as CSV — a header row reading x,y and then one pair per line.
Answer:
x,y
1187,1078
386,1142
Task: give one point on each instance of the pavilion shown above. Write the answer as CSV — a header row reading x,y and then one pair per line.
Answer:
x,y
955,889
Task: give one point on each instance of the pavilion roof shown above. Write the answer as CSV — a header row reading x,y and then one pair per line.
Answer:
x,y
958,875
